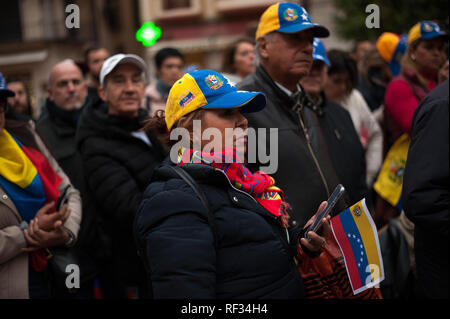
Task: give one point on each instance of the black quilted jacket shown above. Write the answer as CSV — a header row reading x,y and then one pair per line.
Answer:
x,y
253,258
118,167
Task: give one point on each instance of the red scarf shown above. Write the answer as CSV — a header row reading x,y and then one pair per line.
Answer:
x,y
259,185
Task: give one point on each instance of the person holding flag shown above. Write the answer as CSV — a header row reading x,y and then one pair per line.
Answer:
x,y
30,185
223,231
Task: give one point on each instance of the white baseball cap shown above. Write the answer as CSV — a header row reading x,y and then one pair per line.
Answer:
x,y
110,64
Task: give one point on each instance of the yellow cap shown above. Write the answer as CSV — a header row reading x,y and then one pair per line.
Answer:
x,y
425,30
287,17
386,44
208,89
184,98
269,21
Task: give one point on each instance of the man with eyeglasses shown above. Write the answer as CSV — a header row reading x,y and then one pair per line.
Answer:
x,y
119,160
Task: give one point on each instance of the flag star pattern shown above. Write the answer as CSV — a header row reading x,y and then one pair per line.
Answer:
x,y
356,234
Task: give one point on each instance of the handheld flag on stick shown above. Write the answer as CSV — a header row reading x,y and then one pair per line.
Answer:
x,y
356,234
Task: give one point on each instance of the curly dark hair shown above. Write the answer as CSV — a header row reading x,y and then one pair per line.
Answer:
x,y
342,62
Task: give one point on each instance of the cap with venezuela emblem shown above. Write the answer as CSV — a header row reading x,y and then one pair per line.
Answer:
x,y
287,17
425,30
209,90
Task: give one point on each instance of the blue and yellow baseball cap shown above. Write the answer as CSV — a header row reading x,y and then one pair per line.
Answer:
x,y
319,52
392,47
209,90
425,30
288,17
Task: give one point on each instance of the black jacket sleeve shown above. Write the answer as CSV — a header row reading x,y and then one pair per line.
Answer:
x,y
425,195
178,246
114,188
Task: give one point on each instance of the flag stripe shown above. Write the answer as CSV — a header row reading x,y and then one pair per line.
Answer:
x,y
15,166
368,238
377,243
28,200
344,244
350,228
48,177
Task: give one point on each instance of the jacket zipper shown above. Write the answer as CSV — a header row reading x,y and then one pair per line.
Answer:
x,y
308,142
248,195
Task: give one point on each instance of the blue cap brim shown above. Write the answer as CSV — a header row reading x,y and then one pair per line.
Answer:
x,y
247,102
433,35
319,30
7,93
318,57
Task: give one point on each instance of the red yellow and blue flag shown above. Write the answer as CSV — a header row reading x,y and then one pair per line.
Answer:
x,y
356,234
29,180
26,176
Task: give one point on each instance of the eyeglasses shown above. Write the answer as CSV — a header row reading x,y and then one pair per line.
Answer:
x,y
3,105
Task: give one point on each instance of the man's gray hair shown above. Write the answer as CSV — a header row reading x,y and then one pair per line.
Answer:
x,y
269,37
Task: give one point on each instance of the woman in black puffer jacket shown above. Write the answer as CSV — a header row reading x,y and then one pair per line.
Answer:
x,y
247,249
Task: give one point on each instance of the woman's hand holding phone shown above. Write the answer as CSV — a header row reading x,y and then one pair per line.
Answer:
x,y
317,240
317,229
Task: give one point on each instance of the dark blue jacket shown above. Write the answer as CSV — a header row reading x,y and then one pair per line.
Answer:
x,y
425,193
253,257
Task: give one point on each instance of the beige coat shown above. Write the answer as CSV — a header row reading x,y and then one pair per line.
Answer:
x,y
13,262
156,100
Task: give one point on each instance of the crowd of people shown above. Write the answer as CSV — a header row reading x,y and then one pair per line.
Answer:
x,y
94,177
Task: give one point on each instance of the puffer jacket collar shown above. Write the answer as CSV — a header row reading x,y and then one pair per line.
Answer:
x,y
96,121
207,175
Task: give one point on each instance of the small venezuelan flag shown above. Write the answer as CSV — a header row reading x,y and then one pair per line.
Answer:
x,y
357,237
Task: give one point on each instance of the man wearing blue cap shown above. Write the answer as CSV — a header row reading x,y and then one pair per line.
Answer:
x,y
337,127
284,38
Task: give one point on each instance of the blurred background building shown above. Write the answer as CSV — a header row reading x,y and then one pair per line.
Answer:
x,y
34,36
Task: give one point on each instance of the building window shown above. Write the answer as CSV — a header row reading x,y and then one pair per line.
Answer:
x,y
176,4
178,9
42,20
227,5
10,29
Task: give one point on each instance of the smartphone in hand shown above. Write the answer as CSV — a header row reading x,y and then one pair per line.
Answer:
x,y
62,199
331,202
